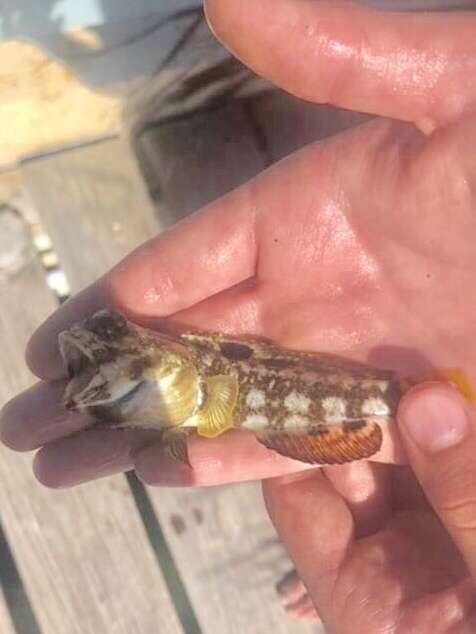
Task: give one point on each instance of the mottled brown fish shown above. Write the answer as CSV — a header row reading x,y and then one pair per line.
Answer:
x,y
315,408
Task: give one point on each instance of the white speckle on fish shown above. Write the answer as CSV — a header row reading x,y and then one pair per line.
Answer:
x,y
335,409
374,406
295,422
297,402
255,422
207,359
373,383
255,399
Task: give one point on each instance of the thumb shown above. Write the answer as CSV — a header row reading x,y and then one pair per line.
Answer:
x,y
438,429
416,67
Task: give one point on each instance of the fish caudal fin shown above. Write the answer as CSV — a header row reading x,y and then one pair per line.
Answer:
x,y
326,444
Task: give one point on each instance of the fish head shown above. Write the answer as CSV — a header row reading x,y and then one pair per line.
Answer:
x,y
122,373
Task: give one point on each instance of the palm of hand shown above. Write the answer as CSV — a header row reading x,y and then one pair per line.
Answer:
x,y
362,242
388,566
408,575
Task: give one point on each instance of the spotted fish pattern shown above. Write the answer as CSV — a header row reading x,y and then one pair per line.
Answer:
x,y
316,408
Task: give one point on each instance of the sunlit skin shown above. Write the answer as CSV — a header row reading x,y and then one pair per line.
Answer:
x,y
362,245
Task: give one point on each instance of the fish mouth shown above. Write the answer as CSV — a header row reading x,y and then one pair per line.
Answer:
x,y
94,383
75,356
80,366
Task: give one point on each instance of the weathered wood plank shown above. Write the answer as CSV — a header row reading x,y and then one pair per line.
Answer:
x,y
83,555
228,554
94,205
6,625
231,557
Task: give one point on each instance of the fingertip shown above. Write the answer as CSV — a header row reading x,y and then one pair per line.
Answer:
x,y
8,424
44,362
426,388
36,417
87,456
433,417
42,353
45,474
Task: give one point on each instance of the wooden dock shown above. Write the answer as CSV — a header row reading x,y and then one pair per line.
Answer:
x,y
112,557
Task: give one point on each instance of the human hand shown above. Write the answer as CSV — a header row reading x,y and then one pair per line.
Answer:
x,y
380,549
359,245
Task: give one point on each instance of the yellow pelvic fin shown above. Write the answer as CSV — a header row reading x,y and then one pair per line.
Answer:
x,y
217,414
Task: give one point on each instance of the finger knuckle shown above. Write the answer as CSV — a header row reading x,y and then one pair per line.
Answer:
x,y
453,493
460,513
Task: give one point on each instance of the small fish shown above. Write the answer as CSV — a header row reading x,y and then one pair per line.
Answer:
x,y
316,408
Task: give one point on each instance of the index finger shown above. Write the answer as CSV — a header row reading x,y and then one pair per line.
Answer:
x,y
204,254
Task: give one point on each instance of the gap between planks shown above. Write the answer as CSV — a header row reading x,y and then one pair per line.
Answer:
x,y
11,607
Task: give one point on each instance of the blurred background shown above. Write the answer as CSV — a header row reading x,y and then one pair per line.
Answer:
x,y
116,120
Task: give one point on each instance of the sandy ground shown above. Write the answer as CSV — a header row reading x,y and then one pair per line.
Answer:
x,y
44,105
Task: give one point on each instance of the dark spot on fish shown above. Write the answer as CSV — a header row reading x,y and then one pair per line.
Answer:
x,y
393,396
204,388
77,362
197,515
107,325
320,430
353,425
178,524
106,415
236,351
137,367
276,364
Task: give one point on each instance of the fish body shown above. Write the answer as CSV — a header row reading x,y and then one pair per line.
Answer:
x,y
317,408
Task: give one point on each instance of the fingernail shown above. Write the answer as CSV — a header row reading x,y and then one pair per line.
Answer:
x,y
435,418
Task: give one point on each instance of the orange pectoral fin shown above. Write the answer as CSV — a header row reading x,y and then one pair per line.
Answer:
x,y
327,444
